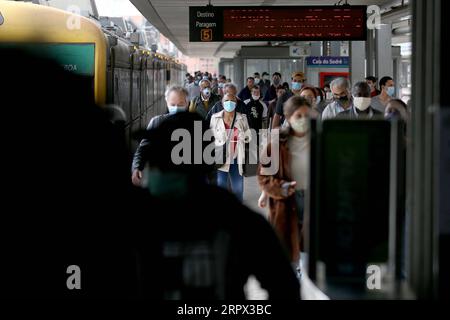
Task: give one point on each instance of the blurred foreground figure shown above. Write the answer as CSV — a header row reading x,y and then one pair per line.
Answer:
x,y
73,226
67,228
209,243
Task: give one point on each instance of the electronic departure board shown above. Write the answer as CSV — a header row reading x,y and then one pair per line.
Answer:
x,y
284,23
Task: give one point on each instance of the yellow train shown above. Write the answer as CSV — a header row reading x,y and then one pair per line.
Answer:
x,y
116,71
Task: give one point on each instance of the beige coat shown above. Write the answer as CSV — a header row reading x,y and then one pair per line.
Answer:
x,y
221,136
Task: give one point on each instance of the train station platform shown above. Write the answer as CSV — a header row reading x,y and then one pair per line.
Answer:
x,y
361,86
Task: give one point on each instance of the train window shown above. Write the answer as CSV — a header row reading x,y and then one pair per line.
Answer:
x,y
73,57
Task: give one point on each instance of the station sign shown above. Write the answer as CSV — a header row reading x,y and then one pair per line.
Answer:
x,y
335,62
278,23
205,24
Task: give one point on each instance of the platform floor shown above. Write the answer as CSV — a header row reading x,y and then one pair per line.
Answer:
x,y
252,192
253,289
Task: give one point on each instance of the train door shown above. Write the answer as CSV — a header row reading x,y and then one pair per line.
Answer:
x,y
143,90
162,82
135,94
150,88
155,88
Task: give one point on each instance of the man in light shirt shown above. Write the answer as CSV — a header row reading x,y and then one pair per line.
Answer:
x,y
387,86
340,88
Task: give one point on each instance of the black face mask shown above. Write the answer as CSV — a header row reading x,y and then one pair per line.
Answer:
x,y
343,99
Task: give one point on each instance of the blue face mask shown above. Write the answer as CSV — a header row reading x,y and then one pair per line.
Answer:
x,y
296,86
229,106
391,91
166,184
392,116
176,109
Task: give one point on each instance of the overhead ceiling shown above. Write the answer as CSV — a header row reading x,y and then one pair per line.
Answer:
x,y
171,18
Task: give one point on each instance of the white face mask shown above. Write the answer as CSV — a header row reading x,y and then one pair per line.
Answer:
x,y
207,92
256,98
300,125
329,95
362,103
257,81
176,109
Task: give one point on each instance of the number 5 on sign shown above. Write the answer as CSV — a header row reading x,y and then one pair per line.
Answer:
x,y
206,35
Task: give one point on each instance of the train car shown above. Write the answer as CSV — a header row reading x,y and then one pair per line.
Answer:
x,y
116,71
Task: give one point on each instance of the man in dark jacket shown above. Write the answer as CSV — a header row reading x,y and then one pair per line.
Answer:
x,y
271,93
264,84
246,93
256,110
177,99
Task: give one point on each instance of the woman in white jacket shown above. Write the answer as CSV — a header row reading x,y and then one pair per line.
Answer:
x,y
221,122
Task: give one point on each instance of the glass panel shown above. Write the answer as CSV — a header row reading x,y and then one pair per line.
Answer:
x,y
229,70
405,80
286,67
255,65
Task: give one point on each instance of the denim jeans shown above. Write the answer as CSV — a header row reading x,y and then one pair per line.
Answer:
x,y
237,181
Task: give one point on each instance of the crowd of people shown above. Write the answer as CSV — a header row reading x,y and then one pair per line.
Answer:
x,y
72,215
150,236
234,115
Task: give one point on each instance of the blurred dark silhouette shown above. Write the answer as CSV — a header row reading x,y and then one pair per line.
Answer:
x,y
66,193
209,242
67,200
